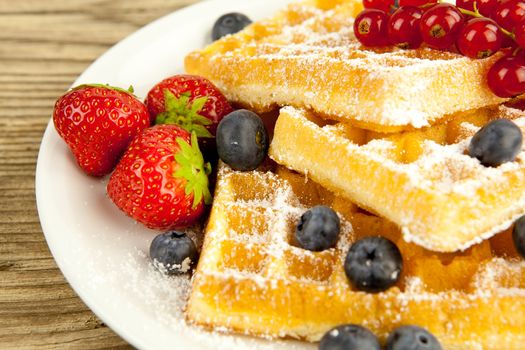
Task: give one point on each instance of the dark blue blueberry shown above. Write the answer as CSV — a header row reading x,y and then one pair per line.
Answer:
x,y
496,143
412,338
349,337
242,140
173,252
229,23
318,229
518,236
373,264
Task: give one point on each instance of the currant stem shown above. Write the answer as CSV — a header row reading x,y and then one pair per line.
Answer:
x,y
474,13
479,15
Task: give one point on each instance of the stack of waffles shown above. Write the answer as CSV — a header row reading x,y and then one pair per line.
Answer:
x,y
381,137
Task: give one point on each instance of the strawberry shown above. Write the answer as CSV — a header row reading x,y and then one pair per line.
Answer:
x,y
98,122
190,101
162,180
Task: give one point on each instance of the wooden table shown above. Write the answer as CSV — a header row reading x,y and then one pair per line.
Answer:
x,y
44,46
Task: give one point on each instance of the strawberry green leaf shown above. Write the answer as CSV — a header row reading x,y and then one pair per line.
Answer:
x,y
178,105
193,169
198,104
182,112
199,119
200,131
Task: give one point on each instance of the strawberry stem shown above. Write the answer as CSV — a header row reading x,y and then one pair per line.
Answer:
x,y
185,113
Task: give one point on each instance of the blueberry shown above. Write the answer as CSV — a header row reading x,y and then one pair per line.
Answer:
x,y
496,143
518,236
242,140
412,338
229,23
318,229
173,252
373,264
349,337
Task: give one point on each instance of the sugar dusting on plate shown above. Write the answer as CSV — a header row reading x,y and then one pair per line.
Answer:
x,y
165,298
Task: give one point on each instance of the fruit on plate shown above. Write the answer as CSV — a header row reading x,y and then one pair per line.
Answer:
x,y
371,28
173,252
373,264
162,180
506,78
498,142
479,38
190,101
349,336
318,229
403,27
476,29
98,122
242,140
440,25
412,338
229,23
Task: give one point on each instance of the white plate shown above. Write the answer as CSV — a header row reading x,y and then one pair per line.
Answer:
x,y
102,252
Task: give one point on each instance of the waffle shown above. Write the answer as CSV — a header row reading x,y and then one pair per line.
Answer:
x,y
443,199
252,278
307,56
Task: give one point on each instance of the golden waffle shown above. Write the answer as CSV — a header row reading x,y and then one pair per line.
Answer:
x,y
307,56
423,180
252,278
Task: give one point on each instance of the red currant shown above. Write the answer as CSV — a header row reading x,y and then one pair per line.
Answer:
x,y
370,28
506,78
519,33
509,13
383,5
479,38
403,27
440,25
485,7
417,3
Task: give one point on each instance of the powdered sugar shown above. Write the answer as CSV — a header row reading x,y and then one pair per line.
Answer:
x,y
165,297
439,176
489,283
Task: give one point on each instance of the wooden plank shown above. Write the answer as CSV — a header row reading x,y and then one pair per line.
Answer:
x,y
97,338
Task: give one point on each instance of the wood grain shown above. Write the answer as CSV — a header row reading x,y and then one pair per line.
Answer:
x,y
44,46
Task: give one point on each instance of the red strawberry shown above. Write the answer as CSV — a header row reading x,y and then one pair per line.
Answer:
x,y
162,181
98,122
190,101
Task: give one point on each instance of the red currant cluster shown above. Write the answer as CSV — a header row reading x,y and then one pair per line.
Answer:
x,y
474,28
